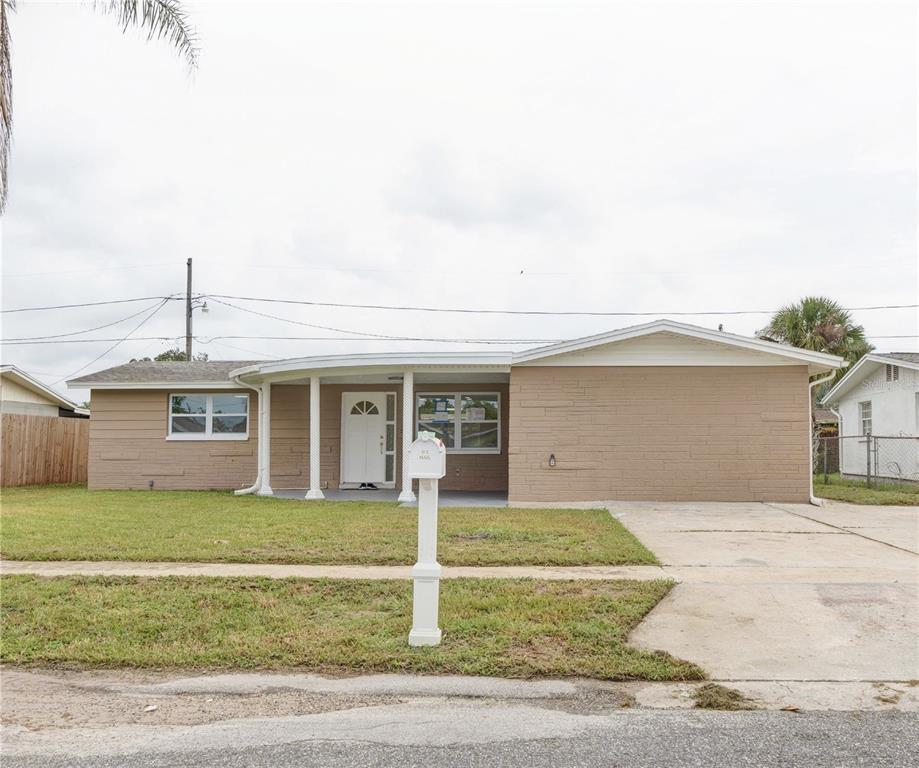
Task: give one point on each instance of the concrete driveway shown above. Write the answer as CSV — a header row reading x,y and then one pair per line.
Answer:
x,y
785,591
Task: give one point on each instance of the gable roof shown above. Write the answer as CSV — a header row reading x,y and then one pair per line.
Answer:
x,y
909,358
32,384
817,361
218,373
866,367
198,372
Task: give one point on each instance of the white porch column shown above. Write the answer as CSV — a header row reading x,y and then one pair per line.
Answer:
x,y
315,492
408,427
264,443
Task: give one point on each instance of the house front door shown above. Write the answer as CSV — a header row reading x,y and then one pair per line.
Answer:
x,y
363,437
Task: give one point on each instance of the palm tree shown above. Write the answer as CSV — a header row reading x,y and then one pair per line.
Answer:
x,y
160,18
821,325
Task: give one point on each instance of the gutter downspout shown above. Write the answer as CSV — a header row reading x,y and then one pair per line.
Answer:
x,y
254,488
810,434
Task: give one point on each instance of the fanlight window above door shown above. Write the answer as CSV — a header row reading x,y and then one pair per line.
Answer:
x,y
364,408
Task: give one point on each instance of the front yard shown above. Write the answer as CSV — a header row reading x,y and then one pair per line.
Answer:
x,y
72,523
503,627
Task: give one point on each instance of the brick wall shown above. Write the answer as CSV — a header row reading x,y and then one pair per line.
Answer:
x,y
128,445
659,433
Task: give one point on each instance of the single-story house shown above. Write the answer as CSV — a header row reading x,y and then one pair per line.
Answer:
x,y
660,411
23,394
879,396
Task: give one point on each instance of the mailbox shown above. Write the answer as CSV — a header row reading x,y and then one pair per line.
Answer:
x,y
427,462
427,457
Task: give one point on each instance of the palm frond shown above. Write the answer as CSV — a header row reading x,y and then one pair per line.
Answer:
x,y
820,325
162,19
6,97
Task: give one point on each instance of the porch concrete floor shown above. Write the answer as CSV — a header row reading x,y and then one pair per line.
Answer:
x,y
445,499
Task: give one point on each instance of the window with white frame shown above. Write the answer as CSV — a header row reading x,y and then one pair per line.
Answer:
x,y
892,373
864,417
468,422
209,417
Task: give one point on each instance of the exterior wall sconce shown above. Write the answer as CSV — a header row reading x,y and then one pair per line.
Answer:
x,y
551,459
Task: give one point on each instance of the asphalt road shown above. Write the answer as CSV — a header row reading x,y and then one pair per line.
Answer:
x,y
475,737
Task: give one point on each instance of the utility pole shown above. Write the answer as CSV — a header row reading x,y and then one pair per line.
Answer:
x,y
188,311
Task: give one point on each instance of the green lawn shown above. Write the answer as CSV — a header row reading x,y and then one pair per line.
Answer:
x,y
855,492
503,627
72,523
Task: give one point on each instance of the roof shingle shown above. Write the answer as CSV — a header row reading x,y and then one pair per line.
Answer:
x,y
164,372
906,357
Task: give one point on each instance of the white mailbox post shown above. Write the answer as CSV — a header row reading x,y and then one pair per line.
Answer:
x,y
427,462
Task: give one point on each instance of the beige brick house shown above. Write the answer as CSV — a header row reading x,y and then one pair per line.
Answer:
x,y
661,411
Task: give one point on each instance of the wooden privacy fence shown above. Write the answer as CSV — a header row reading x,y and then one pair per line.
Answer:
x,y
43,449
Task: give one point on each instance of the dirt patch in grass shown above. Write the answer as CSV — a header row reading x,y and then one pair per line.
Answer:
x,y
502,627
72,523
715,696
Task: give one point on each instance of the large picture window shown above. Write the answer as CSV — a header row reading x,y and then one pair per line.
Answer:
x,y
468,422
209,417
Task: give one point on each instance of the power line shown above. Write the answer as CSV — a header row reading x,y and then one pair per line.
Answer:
x,y
209,339
381,336
457,310
87,330
125,338
88,304
239,349
87,341
390,338
300,322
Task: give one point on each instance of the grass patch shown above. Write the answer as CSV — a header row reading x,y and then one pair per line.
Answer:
x,y
503,627
855,492
72,523
715,696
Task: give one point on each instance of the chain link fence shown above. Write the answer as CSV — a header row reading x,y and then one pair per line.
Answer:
x,y
875,460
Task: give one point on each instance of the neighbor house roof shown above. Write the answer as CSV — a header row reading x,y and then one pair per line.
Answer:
x,y
910,358
866,367
201,373
825,416
23,379
217,373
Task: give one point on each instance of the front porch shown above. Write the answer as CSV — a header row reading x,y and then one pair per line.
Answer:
x,y
445,498
327,430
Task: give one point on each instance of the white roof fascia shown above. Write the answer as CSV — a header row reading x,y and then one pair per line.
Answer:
x,y
24,379
820,360
397,361
864,367
174,385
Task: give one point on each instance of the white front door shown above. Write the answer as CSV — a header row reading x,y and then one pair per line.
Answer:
x,y
363,437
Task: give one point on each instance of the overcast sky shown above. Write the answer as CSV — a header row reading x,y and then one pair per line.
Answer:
x,y
641,156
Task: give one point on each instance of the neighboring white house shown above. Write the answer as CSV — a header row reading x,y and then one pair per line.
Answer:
x,y
21,393
879,396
